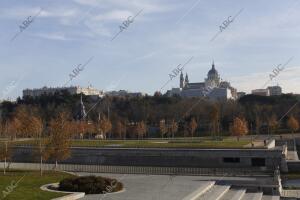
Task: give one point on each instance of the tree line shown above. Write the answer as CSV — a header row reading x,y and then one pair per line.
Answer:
x,y
52,121
160,116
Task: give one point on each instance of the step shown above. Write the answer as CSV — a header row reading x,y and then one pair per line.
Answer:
x,y
266,197
201,190
233,194
214,193
252,196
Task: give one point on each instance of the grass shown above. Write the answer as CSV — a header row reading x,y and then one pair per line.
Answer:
x,y
201,143
28,187
161,143
291,176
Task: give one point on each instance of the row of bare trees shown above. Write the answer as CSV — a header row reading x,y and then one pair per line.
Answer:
x,y
239,126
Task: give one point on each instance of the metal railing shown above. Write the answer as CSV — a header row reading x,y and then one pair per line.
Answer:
x,y
142,169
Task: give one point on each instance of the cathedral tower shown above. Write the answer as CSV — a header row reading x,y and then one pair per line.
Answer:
x,y
213,78
181,80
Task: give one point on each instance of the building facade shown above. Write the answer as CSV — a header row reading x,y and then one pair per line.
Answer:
x,y
212,87
275,90
124,93
89,91
270,91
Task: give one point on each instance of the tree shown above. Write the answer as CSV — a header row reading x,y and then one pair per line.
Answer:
x,y
119,129
239,127
192,126
257,124
13,128
104,126
214,118
5,146
22,119
58,147
172,128
293,124
36,130
5,153
141,129
272,123
162,128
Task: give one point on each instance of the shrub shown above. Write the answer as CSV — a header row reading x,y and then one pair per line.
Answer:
x,y
90,185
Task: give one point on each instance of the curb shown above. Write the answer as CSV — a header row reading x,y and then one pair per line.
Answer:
x,y
70,196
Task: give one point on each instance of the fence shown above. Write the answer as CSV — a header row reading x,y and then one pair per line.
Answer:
x,y
142,170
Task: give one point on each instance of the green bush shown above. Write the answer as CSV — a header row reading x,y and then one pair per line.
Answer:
x,y
90,185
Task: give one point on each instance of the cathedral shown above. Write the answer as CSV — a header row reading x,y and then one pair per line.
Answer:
x,y
212,87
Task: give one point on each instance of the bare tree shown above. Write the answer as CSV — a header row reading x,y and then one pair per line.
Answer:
x,y
119,129
192,127
173,127
60,135
162,128
103,126
5,145
141,129
214,118
239,127
37,128
293,124
272,123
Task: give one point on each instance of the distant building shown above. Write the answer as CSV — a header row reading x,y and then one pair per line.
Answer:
x,y
275,90
212,87
89,91
261,92
124,93
270,91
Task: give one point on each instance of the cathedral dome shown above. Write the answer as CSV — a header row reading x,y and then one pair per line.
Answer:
x,y
213,72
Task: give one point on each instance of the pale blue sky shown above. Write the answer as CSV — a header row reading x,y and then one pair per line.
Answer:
x,y
166,33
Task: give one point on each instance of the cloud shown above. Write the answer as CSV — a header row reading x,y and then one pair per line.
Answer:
x,y
115,15
53,36
23,12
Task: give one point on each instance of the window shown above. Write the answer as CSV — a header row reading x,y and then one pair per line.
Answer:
x,y
231,160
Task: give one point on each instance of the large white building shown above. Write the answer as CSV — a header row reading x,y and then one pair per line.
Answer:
x,y
270,91
124,93
212,87
89,91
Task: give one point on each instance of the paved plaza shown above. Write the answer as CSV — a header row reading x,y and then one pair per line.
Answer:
x,y
163,187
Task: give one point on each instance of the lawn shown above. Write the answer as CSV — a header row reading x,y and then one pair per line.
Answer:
x,y
28,187
291,176
158,143
162,143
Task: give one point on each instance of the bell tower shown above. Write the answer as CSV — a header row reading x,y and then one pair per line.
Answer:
x,y
181,81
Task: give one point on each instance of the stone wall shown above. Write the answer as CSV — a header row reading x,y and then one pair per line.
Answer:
x,y
204,158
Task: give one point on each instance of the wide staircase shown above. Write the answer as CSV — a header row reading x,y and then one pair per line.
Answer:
x,y
213,191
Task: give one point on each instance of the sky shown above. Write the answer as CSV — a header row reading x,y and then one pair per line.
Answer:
x,y
42,42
